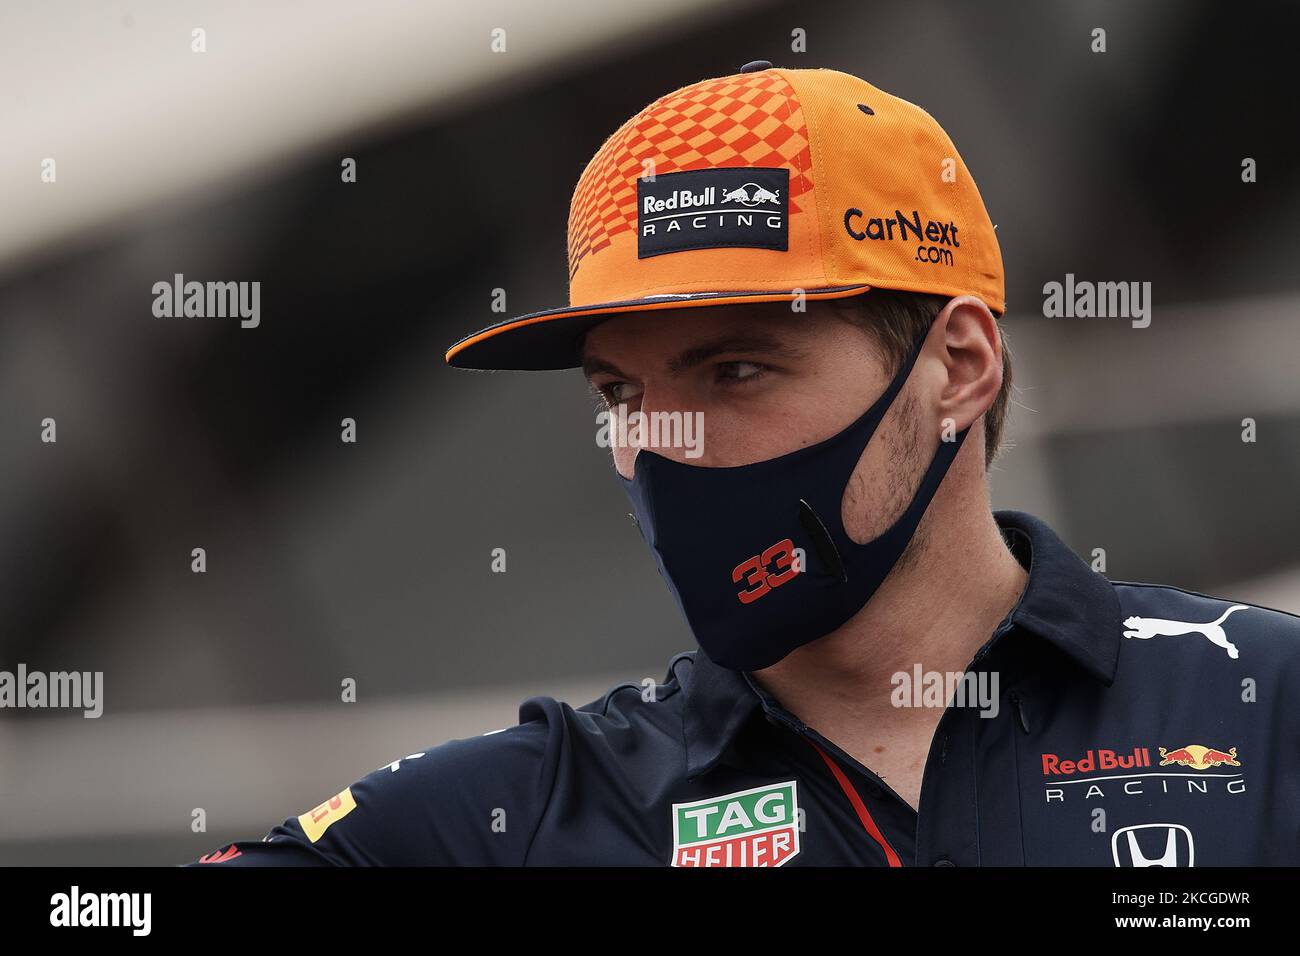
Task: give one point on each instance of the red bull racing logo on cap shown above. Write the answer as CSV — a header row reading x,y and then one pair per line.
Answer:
x,y
758,827
734,207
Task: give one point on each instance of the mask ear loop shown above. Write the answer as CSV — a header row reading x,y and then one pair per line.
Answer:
x,y
812,523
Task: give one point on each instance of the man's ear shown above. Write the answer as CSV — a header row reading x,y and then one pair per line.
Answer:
x,y
966,339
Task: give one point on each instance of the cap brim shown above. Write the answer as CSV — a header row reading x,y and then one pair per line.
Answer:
x,y
553,339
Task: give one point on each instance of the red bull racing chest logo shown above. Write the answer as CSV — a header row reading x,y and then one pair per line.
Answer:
x,y
758,827
1099,773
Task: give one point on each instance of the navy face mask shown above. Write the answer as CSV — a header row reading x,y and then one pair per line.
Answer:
x,y
757,555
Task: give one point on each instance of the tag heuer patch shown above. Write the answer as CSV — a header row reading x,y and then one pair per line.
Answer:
x,y
741,206
758,827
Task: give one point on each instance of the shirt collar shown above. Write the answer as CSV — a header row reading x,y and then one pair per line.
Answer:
x,y
718,703
1065,603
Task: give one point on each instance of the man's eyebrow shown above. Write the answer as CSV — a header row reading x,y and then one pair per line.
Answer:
x,y
591,365
745,343
750,342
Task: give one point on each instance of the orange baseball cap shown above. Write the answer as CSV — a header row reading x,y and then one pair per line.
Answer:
x,y
758,187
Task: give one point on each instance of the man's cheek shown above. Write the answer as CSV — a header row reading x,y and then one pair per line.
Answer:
x,y
883,483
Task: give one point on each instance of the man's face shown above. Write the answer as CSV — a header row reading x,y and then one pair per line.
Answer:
x,y
767,381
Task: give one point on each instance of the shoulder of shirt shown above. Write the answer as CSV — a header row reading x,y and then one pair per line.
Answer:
x,y
434,806
1268,631
551,731
548,727
625,708
619,709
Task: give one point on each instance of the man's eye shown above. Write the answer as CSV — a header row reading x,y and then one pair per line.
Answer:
x,y
732,372
617,393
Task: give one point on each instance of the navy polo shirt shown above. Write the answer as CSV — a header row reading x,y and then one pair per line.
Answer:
x,y
1133,725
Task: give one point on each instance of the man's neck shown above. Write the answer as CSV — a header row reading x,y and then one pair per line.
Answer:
x,y
936,612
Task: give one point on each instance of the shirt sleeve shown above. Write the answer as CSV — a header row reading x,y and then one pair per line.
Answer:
x,y
475,801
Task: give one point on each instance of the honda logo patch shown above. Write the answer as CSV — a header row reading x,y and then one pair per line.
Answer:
x,y
1153,844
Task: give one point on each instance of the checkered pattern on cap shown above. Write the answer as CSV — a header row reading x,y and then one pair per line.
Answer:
x,y
753,119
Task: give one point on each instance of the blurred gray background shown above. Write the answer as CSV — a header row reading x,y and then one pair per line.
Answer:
x,y
371,560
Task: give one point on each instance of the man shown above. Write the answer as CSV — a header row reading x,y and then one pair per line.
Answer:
x,y
889,674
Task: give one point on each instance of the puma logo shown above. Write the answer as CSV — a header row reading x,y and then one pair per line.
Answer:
x,y
1145,628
